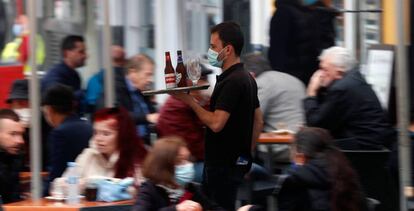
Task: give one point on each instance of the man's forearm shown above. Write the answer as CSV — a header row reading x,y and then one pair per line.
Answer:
x,y
257,126
214,120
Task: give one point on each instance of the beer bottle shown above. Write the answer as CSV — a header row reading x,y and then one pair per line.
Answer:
x,y
181,71
169,72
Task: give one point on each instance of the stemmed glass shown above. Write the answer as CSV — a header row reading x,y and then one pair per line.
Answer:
x,y
194,70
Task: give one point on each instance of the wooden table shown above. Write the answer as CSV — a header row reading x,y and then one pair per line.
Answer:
x,y
273,138
27,175
49,205
269,139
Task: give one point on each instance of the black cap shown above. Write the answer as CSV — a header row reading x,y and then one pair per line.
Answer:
x,y
18,91
58,95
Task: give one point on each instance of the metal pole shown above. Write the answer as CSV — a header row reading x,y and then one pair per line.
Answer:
x,y
35,144
109,73
349,27
402,102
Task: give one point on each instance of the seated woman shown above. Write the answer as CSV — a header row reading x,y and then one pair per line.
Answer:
x,y
169,172
115,150
322,178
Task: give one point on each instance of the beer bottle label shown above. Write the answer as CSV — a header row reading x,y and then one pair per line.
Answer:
x,y
170,80
178,78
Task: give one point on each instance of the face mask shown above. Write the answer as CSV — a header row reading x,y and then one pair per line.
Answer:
x,y
24,115
213,58
184,173
17,29
309,2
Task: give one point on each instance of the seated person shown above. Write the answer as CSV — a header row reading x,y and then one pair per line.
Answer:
x,y
115,150
321,178
178,119
70,134
341,101
169,172
11,143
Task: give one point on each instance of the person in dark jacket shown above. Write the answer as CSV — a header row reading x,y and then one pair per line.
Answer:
x,y
299,30
139,72
341,101
169,172
74,55
11,161
321,179
70,134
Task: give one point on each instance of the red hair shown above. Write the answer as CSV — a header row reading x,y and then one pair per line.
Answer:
x,y
131,148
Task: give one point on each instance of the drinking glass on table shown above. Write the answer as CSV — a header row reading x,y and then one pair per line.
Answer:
x,y
194,70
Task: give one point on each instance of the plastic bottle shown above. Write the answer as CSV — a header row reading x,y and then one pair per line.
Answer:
x,y
72,182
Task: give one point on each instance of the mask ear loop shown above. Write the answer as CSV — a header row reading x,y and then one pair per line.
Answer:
x,y
218,56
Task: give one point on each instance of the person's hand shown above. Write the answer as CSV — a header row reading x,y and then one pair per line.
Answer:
x,y
315,83
152,118
186,98
188,205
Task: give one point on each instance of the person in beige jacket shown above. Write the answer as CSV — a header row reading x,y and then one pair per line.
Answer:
x,y
115,150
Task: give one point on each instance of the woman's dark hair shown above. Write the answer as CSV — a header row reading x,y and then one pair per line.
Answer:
x,y
131,149
346,191
230,34
159,166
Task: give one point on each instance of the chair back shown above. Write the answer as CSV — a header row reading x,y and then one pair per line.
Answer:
x,y
374,175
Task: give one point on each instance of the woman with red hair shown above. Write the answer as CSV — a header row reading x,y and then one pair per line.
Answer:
x,y
115,150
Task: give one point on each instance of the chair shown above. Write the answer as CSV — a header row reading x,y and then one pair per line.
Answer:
x,y
258,189
374,176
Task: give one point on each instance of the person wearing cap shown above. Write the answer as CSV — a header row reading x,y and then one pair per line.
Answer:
x,y
11,142
70,134
178,119
18,100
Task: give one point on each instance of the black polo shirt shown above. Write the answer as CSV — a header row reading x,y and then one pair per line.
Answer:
x,y
236,93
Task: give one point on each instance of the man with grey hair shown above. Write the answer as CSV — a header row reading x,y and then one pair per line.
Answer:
x,y
340,100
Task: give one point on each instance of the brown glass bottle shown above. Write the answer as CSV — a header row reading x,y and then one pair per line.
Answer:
x,y
181,72
169,72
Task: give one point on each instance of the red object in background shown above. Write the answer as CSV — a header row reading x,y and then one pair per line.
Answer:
x,y
7,75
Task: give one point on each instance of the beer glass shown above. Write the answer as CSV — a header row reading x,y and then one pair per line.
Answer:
x,y
194,70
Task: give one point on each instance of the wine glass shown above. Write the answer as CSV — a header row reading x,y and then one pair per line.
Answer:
x,y
194,70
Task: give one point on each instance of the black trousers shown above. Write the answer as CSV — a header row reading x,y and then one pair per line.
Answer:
x,y
221,183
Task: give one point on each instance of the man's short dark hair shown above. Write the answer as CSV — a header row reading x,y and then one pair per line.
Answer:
x,y
256,63
6,113
230,33
68,42
60,98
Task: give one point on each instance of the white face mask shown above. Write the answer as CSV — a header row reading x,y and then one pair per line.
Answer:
x,y
25,115
184,173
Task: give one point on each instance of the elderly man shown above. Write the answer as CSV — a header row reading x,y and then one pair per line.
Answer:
x,y
11,142
138,77
340,100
